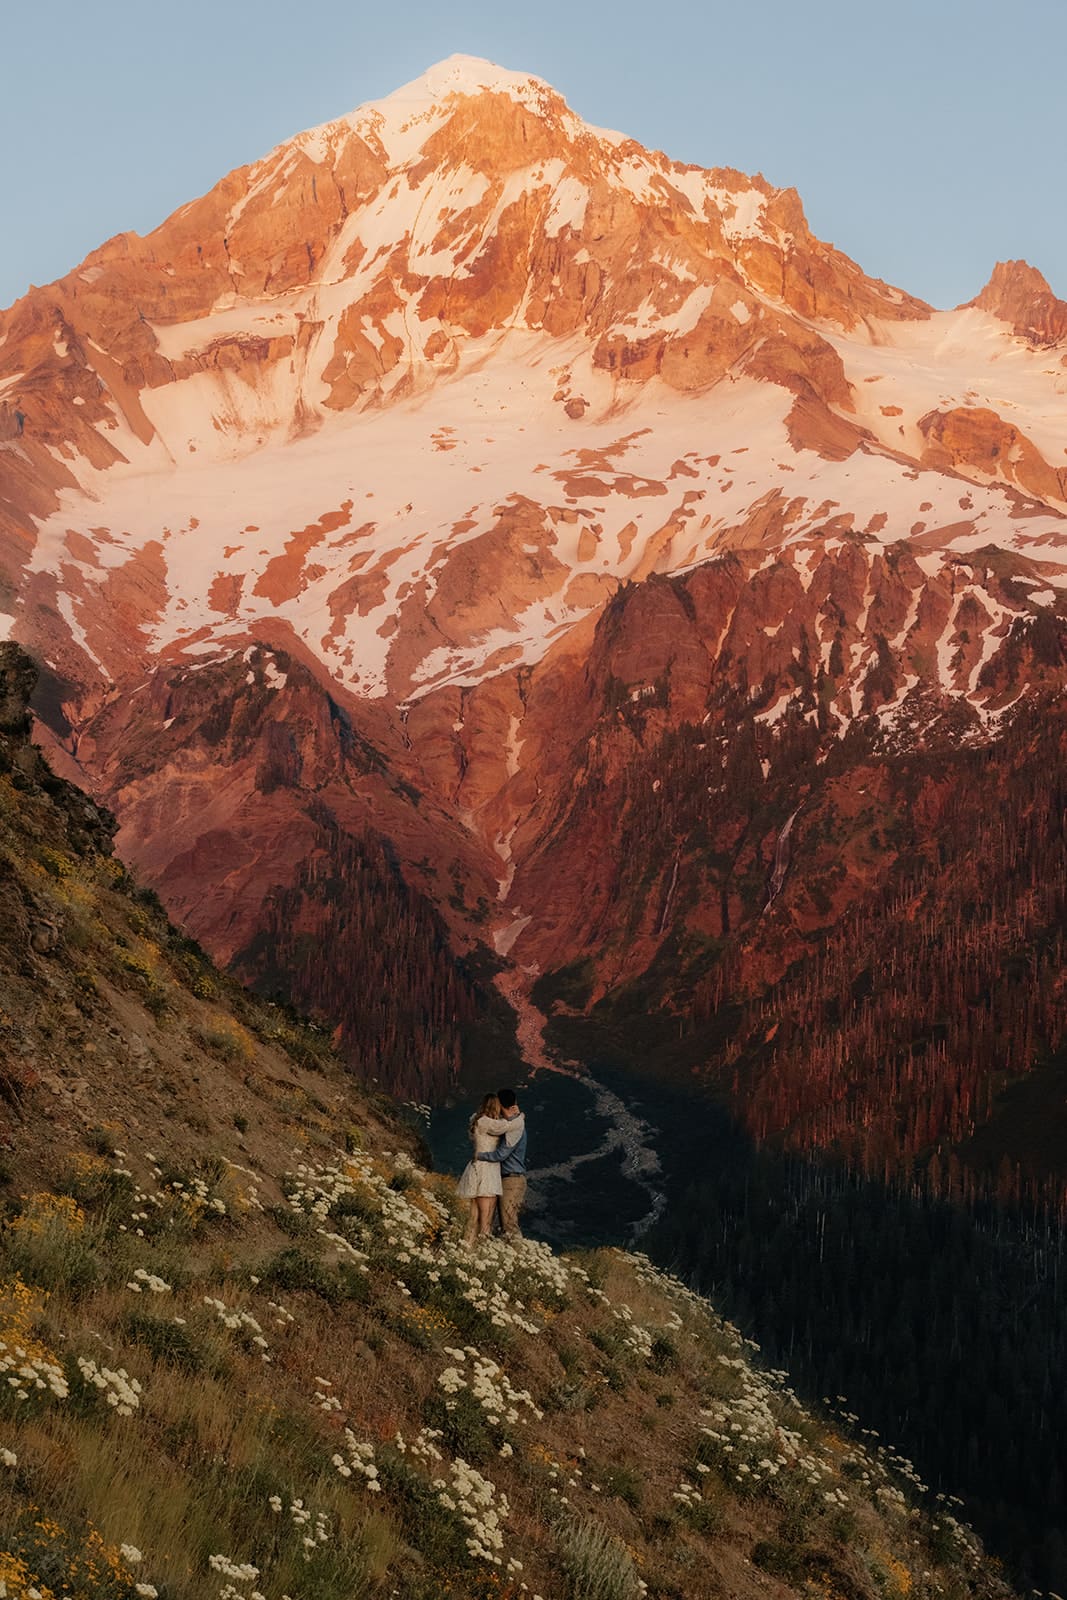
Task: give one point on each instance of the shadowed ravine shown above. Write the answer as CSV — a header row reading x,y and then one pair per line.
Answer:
x,y
594,1167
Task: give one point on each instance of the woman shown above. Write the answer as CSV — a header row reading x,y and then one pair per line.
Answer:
x,y
480,1180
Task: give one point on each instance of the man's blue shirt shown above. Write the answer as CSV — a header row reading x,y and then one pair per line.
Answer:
x,y
512,1157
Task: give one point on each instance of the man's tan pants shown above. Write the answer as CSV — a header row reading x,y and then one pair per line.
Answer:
x,y
511,1203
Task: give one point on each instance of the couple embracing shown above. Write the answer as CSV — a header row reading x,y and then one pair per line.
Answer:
x,y
497,1174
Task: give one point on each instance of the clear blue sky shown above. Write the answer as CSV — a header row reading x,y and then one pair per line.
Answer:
x,y
926,137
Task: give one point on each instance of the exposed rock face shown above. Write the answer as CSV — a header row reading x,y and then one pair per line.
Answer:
x,y
1019,295
434,478
974,440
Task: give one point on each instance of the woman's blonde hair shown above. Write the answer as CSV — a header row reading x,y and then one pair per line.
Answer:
x,y
490,1107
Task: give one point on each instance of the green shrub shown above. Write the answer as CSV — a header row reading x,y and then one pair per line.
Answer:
x,y
53,1248
596,1564
296,1272
438,1534
55,863
294,1223
783,1560
411,1332
621,1482
476,1327
573,1396
156,1002
703,1516
664,1356
61,1560
167,1341
225,1043
614,1378
570,1357
97,1188
465,1429
843,1527
353,1204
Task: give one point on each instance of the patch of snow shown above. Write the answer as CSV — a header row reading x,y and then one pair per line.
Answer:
x,y
318,144
513,746
947,647
993,636
635,172
404,120
692,184
235,319
504,938
441,199
776,712
954,359
502,847
649,319
742,213
569,201
65,606
677,268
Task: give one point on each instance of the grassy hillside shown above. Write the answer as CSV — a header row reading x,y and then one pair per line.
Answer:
x,y
246,1354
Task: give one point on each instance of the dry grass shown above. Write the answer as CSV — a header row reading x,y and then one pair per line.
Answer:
x,y
593,1486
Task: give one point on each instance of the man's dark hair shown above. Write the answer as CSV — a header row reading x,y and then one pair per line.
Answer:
x,y
507,1098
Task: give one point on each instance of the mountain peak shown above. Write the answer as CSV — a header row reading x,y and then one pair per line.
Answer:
x,y
467,75
457,77
400,123
1019,294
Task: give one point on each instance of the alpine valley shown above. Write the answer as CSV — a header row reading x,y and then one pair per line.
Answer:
x,y
521,596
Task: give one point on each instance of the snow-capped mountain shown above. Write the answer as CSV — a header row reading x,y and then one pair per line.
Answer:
x,y
391,484
460,331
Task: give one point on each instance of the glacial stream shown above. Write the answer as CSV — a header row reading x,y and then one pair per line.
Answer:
x,y
594,1169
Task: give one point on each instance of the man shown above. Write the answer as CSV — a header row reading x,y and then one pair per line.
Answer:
x,y
511,1153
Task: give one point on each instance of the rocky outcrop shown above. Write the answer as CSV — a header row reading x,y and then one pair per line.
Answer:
x,y
1019,295
973,439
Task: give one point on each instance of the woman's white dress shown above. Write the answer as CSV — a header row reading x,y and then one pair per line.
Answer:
x,y
483,1177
